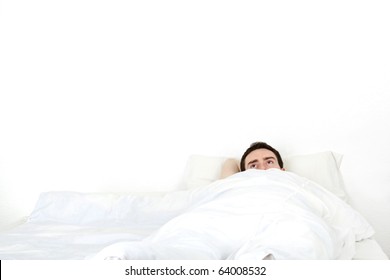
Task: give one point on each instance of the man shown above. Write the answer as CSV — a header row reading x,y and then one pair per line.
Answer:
x,y
250,217
262,156
259,155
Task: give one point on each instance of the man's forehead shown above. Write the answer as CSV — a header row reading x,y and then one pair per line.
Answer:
x,y
260,154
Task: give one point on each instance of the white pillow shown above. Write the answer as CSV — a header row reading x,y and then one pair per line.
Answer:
x,y
322,168
202,170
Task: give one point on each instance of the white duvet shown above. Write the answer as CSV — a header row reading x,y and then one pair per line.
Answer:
x,y
251,215
254,214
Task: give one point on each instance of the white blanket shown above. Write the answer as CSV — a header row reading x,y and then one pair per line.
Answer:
x,y
253,215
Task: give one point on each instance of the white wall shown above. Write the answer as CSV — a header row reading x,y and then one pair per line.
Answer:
x,y
96,95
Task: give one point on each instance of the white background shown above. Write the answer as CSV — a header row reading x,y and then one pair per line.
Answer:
x,y
115,95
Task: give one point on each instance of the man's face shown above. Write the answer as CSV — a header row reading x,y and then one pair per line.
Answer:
x,y
262,159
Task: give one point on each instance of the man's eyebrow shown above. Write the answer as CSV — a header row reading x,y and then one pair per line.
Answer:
x,y
256,160
252,161
269,158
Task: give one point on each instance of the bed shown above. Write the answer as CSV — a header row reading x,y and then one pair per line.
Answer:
x,y
301,213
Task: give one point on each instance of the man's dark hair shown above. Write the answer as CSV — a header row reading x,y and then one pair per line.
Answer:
x,y
256,146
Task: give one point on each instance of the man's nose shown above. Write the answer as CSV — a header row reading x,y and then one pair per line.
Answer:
x,y
261,166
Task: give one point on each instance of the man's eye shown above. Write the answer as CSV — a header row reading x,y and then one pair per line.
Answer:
x,y
252,166
270,162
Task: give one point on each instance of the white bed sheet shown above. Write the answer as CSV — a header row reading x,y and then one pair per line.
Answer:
x,y
53,241
78,226
369,249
